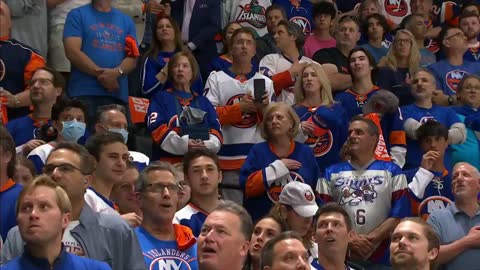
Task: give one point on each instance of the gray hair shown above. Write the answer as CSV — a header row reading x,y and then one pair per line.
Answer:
x,y
295,30
143,180
246,223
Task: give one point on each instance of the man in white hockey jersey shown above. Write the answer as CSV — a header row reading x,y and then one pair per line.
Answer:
x,y
373,192
231,92
285,66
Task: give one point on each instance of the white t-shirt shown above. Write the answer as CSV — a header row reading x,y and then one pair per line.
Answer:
x,y
70,243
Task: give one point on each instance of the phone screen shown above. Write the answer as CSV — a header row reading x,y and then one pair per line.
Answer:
x,y
259,89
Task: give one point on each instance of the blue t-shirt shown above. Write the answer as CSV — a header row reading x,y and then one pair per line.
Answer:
x,y
377,53
103,37
449,76
165,254
25,128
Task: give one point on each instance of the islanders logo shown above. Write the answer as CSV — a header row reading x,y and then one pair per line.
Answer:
x,y
453,78
253,14
248,120
430,204
322,144
276,187
396,8
304,23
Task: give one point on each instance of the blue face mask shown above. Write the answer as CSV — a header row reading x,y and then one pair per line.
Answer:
x,y
122,132
73,130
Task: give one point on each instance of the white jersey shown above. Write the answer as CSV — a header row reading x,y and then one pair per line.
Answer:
x,y
251,14
71,244
224,89
98,204
370,195
275,63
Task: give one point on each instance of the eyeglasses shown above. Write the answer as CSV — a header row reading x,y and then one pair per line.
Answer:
x,y
402,40
456,34
41,81
63,168
160,188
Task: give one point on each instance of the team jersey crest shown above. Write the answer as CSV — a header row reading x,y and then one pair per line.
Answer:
x,y
397,8
248,120
453,78
253,14
276,187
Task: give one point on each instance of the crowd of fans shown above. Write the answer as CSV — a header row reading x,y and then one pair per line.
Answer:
x,y
239,134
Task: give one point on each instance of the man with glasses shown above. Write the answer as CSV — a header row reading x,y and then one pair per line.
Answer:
x,y
93,235
450,71
164,245
46,86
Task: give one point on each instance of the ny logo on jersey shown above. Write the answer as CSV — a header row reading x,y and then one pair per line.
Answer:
x,y
303,23
397,8
276,187
453,78
169,264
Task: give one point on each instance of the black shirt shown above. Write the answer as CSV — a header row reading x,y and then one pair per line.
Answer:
x,y
332,56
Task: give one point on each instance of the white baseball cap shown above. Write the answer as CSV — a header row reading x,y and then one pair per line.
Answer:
x,y
300,197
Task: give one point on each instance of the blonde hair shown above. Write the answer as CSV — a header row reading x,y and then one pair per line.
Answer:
x,y
292,132
43,180
390,60
325,87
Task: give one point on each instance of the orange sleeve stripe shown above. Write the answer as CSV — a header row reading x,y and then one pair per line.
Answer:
x,y
228,115
36,61
281,81
398,138
254,186
159,133
217,134
230,164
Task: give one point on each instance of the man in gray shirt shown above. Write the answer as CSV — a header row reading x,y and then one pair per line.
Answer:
x,y
458,225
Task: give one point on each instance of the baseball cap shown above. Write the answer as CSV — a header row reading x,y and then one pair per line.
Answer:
x,y
300,197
